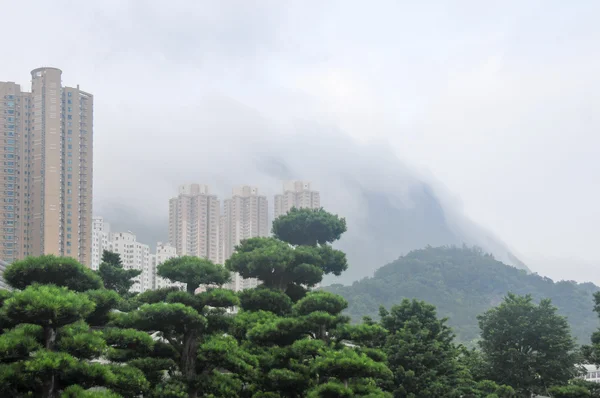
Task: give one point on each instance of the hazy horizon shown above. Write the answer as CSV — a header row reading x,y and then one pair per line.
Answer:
x,y
495,106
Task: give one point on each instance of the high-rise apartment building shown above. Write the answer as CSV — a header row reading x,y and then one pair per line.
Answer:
x,y
245,216
194,222
164,252
47,173
134,255
296,194
100,241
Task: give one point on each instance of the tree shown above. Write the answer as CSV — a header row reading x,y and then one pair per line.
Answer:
x,y
114,276
570,391
49,269
47,347
592,352
527,346
191,326
193,271
51,347
308,227
421,352
350,367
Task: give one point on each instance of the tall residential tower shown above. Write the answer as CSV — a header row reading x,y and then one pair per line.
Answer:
x,y
245,216
194,222
47,173
296,194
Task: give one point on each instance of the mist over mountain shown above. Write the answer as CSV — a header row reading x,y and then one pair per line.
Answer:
x,y
390,208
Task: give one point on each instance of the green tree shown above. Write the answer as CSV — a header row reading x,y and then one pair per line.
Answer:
x,y
192,326
592,352
421,352
194,272
350,367
308,227
297,257
569,391
528,346
49,269
114,276
47,348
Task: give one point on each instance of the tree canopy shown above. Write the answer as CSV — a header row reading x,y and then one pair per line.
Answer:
x,y
69,332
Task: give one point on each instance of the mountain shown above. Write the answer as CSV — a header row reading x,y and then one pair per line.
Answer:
x,y
463,283
390,207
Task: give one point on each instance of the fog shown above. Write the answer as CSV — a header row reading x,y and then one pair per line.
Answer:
x,y
421,123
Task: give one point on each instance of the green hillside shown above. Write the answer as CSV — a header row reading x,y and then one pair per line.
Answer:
x,y
462,283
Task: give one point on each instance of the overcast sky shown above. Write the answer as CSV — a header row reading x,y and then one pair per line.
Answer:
x,y
500,101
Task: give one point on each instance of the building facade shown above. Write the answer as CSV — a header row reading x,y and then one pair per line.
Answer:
x,y
296,194
164,252
47,175
100,241
245,216
194,222
592,373
134,255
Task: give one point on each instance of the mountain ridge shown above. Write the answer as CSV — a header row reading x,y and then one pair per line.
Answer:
x,y
462,283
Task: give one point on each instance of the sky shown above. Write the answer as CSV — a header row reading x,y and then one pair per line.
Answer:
x,y
499,102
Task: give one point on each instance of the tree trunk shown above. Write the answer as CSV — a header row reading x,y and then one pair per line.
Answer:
x,y
188,361
190,289
49,337
193,392
48,382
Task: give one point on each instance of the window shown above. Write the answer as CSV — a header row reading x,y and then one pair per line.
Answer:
x,y
70,117
69,183
69,94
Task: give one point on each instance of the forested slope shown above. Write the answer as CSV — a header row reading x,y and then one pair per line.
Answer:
x,y
463,283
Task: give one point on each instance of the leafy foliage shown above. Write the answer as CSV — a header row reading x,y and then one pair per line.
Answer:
x,y
114,276
528,346
49,269
193,271
60,337
309,227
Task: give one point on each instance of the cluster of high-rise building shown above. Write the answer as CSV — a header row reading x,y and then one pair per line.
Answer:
x,y
200,226
47,160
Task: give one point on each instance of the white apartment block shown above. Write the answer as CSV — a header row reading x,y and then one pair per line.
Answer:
x,y
164,252
100,241
296,194
592,373
134,255
194,222
245,216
